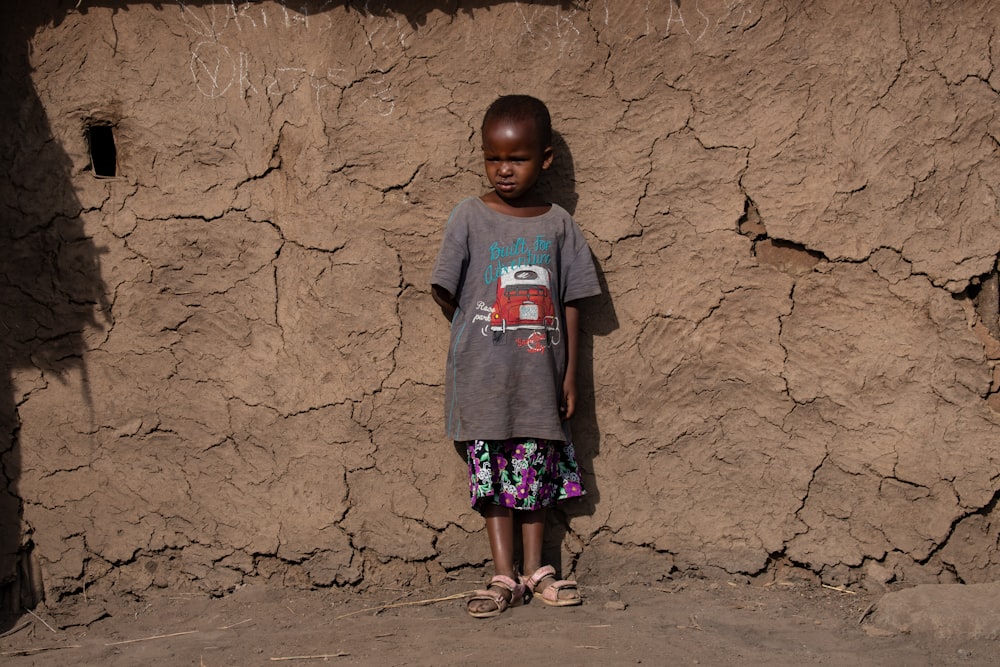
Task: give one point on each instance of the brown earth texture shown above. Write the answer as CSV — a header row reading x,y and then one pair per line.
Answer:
x,y
675,622
221,372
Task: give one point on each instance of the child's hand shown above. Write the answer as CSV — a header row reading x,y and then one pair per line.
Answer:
x,y
445,300
568,406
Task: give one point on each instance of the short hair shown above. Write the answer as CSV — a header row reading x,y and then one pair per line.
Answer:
x,y
520,108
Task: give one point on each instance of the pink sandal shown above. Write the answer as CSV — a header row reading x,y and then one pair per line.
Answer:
x,y
550,595
491,594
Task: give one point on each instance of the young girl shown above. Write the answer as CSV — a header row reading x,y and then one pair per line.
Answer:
x,y
508,276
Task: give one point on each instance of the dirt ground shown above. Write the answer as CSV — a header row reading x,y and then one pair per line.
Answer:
x,y
681,621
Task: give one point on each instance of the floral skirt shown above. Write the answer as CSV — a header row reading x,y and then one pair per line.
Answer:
x,y
522,473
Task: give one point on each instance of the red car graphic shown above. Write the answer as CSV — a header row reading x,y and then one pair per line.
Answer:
x,y
524,301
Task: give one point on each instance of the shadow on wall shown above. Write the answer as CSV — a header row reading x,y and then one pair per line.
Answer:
x,y
597,318
50,286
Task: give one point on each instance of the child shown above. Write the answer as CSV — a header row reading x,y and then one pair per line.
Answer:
x,y
508,276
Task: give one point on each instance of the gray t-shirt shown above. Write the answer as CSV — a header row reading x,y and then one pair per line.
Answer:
x,y
511,277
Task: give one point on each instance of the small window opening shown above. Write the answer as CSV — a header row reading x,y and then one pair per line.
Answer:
x,y
985,293
103,154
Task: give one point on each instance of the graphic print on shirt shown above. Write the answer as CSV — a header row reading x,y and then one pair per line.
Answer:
x,y
524,304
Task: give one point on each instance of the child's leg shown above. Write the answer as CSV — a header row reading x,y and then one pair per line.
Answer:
x,y
500,529
532,537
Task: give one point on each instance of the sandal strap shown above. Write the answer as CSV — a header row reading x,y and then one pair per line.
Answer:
x,y
495,593
504,582
550,595
539,574
516,587
560,585
493,596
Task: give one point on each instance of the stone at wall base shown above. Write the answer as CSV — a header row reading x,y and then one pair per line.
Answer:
x,y
943,611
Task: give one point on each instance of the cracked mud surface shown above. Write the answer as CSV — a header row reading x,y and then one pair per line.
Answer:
x,y
222,366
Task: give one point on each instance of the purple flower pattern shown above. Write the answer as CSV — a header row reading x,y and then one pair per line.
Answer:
x,y
522,474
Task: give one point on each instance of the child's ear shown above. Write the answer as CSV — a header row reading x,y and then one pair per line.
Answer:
x,y
547,156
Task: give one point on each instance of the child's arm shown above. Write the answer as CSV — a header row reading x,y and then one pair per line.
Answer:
x,y
443,298
569,380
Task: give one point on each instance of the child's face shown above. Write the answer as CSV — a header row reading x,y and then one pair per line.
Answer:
x,y
514,157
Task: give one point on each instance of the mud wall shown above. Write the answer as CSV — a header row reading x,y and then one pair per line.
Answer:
x,y
221,361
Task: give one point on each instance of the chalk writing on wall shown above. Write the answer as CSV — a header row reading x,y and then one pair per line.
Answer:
x,y
213,68
223,64
699,19
223,61
695,19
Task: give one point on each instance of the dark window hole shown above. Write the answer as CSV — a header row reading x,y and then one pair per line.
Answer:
x,y
103,154
985,294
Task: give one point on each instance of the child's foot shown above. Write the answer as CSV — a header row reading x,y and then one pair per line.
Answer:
x,y
553,592
502,592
